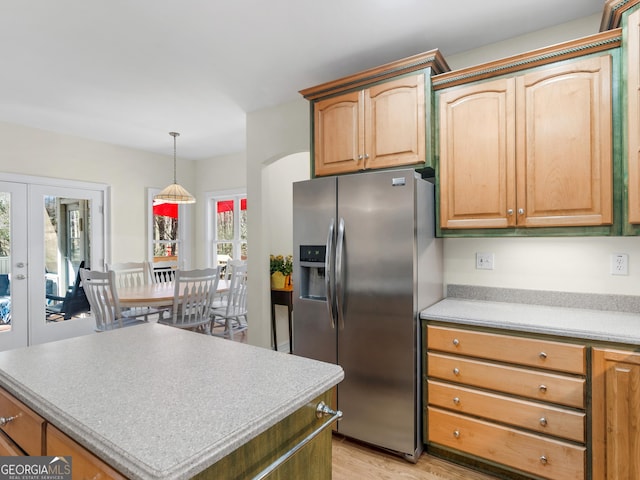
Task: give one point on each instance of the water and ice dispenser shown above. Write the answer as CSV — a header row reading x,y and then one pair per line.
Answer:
x,y
312,272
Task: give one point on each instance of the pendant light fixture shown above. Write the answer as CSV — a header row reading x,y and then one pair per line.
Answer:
x,y
175,193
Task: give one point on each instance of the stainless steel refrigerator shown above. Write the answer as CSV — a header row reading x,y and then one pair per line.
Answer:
x,y
365,263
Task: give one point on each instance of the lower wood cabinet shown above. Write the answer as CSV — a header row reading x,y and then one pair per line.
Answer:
x,y
84,464
616,414
508,400
23,429
8,447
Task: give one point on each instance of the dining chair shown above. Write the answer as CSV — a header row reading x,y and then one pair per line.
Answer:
x,y
133,274
194,295
101,291
163,271
129,274
231,315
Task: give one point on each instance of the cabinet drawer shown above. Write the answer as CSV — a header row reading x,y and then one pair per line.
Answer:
x,y
547,387
26,428
563,357
547,458
84,463
539,417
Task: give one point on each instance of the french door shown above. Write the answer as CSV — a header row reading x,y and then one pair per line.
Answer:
x,y
13,265
51,229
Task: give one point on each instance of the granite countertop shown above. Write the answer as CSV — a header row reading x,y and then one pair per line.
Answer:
x,y
156,402
579,323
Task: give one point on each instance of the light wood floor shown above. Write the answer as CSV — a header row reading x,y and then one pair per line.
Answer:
x,y
354,461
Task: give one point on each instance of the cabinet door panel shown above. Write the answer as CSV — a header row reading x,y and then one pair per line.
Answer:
x,y
633,105
564,157
395,123
477,155
338,136
616,396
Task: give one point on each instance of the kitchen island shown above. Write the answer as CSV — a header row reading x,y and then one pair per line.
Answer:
x,y
152,401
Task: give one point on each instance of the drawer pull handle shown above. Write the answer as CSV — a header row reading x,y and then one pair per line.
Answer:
x,y
542,355
456,342
543,460
456,371
5,420
542,388
456,400
456,433
543,422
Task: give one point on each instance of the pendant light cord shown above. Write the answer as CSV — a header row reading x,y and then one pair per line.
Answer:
x,y
174,135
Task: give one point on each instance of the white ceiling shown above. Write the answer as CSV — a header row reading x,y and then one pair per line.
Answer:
x,y
129,71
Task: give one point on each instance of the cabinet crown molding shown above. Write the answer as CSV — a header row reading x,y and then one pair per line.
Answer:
x,y
432,59
612,13
542,56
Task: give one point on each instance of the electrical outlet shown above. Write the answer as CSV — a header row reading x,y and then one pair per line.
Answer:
x,y
484,261
619,264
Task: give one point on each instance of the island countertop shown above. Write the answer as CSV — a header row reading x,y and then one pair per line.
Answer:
x,y
157,402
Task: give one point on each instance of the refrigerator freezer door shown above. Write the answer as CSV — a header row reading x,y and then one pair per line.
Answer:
x,y
377,345
314,211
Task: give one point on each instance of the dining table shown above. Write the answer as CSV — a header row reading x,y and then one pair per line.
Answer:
x,y
154,294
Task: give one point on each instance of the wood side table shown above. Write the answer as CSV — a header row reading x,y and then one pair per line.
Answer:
x,y
284,297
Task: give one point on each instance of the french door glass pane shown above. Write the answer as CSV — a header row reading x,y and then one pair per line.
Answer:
x,y
67,244
5,261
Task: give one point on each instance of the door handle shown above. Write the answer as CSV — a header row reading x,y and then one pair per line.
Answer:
x,y
340,273
328,273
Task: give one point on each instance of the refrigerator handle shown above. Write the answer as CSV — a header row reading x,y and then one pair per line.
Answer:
x,y
328,272
339,274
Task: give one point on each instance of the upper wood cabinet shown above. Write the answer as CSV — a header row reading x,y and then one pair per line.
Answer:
x,y
533,150
381,126
374,119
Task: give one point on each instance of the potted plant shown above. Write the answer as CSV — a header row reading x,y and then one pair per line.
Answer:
x,y
281,268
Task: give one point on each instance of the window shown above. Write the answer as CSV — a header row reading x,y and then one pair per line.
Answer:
x,y
227,227
168,223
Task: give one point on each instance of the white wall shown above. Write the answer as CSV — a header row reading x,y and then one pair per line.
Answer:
x,y
581,27
272,133
227,172
278,179
129,172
